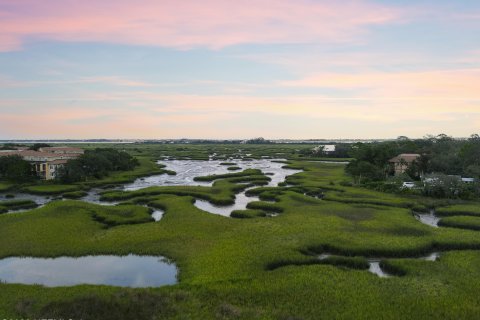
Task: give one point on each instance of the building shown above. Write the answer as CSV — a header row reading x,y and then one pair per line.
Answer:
x,y
47,161
401,162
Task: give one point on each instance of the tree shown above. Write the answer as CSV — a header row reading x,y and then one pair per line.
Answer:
x,y
258,141
442,186
97,164
363,171
37,146
14,168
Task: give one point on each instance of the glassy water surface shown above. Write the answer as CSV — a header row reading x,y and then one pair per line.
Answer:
x,y
127,271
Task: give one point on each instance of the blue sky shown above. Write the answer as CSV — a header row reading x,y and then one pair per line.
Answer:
x,y
220,69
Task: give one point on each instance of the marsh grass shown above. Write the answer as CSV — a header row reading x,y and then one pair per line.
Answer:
x,y
75,194
122,214
248,214
8,205
460,210
462,222
51,189
230,268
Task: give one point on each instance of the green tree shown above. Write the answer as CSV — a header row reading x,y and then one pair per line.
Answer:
x,y
15,169
37,146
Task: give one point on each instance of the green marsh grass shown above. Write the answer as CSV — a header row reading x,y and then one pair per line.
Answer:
x,y
16,205
224,264
462,222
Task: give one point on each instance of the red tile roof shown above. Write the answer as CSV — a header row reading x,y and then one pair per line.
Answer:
x,y
63,149
406,157
32,153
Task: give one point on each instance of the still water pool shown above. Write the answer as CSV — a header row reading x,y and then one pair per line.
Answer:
x,y
123,271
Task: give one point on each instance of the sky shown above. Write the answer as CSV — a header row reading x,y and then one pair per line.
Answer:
x,y
224,69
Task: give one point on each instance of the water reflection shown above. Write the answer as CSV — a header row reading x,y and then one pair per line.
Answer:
x,y
157,214
128,271
429,219
187,170
273,170
241,202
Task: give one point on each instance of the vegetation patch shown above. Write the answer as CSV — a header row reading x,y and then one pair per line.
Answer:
x,y
265,206
460,210
51,189
123,304
5,186
228,164
248,172
75,194
9,205
122,214
247,214
462,222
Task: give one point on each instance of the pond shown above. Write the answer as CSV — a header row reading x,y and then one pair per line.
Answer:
x,y
127,271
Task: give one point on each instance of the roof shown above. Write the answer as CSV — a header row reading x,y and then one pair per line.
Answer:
x,y
57,162
63,149
405,157
29,153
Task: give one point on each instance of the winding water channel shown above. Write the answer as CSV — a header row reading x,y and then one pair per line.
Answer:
x,y
374,262
186,171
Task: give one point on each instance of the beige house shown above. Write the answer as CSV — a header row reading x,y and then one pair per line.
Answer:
x,y
401,162
47,161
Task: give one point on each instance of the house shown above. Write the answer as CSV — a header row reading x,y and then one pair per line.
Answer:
x,y
324,148
47,161
401,162
53,168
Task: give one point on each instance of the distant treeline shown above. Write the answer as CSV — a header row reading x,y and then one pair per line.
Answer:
x,y
96,163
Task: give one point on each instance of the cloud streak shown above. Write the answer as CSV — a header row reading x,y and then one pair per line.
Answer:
x,y
189,23
237,116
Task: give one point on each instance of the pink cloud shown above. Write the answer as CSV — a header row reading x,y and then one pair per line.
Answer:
x,y
189,23
460,84
217,116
